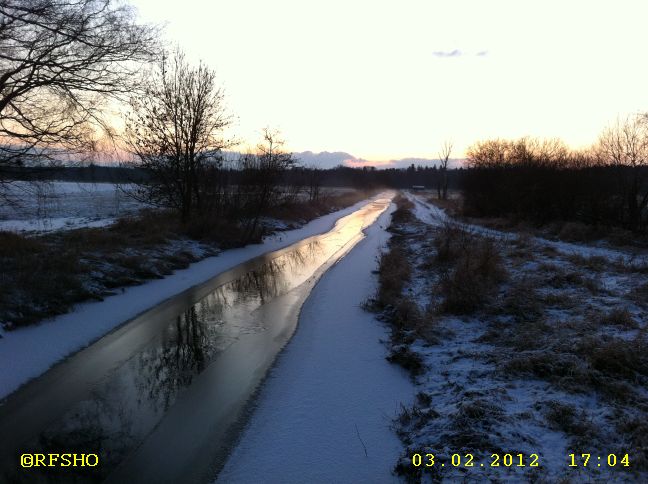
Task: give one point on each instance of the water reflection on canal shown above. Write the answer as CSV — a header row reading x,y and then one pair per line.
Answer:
x,y
161,399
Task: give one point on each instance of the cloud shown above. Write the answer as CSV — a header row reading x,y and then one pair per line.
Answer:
x,y
458,53
448,53
324,159
360,162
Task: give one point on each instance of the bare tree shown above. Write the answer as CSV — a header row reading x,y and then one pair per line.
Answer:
x,y
175,130
625,146
264,171
60,60
444,157
314,182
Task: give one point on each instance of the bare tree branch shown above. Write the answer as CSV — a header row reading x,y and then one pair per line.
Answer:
x,y
175,130
60,61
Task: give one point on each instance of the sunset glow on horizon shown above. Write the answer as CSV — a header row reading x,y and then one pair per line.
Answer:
x,y
390,80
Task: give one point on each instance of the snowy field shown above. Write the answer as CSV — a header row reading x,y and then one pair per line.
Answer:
x,y
49,206
53,205
325,412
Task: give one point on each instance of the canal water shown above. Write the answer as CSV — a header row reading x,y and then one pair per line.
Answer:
x,y
163,398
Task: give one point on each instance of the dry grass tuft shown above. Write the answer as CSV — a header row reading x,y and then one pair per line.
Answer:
x,y
619,317
394,272
472,270
568,419
594,263
522,302
635,431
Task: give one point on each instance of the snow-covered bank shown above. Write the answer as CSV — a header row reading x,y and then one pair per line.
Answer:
x,y
27,352
325,411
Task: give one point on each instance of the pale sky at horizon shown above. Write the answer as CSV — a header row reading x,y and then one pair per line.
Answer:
x,y
388,80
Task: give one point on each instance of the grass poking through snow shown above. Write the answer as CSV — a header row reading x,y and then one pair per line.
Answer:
x,y
518,347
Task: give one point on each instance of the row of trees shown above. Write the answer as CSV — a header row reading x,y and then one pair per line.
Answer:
x,y
543,180
62,63
70,68
175,128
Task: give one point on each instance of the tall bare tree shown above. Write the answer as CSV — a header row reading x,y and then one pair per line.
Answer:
x,y
59,62
264,172
444,157
176,132
625,146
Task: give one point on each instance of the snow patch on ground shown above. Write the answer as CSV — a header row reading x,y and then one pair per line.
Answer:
x,y
325,412
42,225
40,207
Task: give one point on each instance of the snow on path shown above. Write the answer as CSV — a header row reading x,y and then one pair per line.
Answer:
x,y
426,212
331,393
30,351
433,215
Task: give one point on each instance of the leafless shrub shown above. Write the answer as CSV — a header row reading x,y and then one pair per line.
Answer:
x,y
450,242
472,269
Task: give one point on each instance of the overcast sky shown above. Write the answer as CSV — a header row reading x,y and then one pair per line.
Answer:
x,y
394,79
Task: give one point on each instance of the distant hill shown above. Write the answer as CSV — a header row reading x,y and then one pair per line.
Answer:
x,y
327,159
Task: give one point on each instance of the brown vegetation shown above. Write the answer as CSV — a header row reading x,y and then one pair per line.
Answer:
x,y
471,269
44,276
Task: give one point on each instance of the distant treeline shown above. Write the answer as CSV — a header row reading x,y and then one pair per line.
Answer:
x,y
334,177
80,174
543,181
369,177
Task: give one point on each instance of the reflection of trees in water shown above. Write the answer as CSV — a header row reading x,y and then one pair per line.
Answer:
x,y
263,283
273,278
119,414
183,353
202,330
100,425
